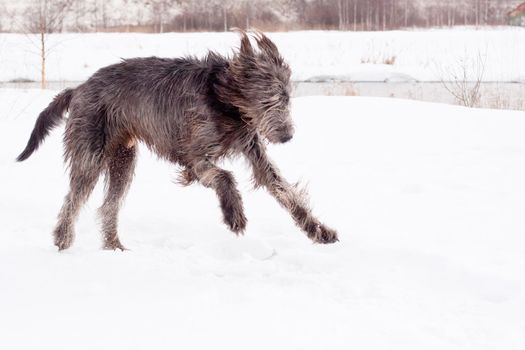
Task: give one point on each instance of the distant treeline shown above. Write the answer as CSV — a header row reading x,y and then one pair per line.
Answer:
x,y
216,15
344,14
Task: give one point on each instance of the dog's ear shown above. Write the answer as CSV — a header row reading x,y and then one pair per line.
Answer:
x,y
246,49
267,47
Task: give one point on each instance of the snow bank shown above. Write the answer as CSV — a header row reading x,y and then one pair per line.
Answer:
x,y
427,55
428,200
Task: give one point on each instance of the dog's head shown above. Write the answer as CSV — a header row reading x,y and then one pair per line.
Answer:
x,y
262,80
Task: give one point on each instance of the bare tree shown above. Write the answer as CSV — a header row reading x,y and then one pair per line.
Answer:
x,y
226,7
159,8
45,17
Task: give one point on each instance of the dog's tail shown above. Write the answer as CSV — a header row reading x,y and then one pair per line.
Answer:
x,y
47,120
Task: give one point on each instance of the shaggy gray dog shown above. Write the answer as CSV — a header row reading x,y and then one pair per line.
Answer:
x,y
189,111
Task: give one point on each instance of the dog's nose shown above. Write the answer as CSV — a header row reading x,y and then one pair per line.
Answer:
x,y
286,138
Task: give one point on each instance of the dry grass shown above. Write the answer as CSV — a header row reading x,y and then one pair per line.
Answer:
x,y
349,90
346,89
503,101
380,53
390,60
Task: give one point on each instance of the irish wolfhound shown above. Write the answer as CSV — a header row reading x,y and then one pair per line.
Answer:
x,y
189,111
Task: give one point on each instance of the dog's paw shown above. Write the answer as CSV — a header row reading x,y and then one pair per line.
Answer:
x,y
324,235
63,239
236,221
113,244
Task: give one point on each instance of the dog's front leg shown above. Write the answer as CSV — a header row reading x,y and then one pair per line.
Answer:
x,y
224,184
266,174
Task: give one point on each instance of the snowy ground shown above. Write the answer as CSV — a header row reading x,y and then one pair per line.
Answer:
x,y
429,201
424,55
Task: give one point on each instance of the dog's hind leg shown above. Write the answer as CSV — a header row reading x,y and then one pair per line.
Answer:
x,y
224,184
119,173
83,178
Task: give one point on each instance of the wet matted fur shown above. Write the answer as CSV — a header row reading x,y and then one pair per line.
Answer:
x,y
189,111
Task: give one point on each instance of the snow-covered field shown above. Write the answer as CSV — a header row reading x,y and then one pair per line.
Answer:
x,y
429,201
424,55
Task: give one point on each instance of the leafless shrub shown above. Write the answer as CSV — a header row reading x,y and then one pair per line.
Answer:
x,y
463,81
